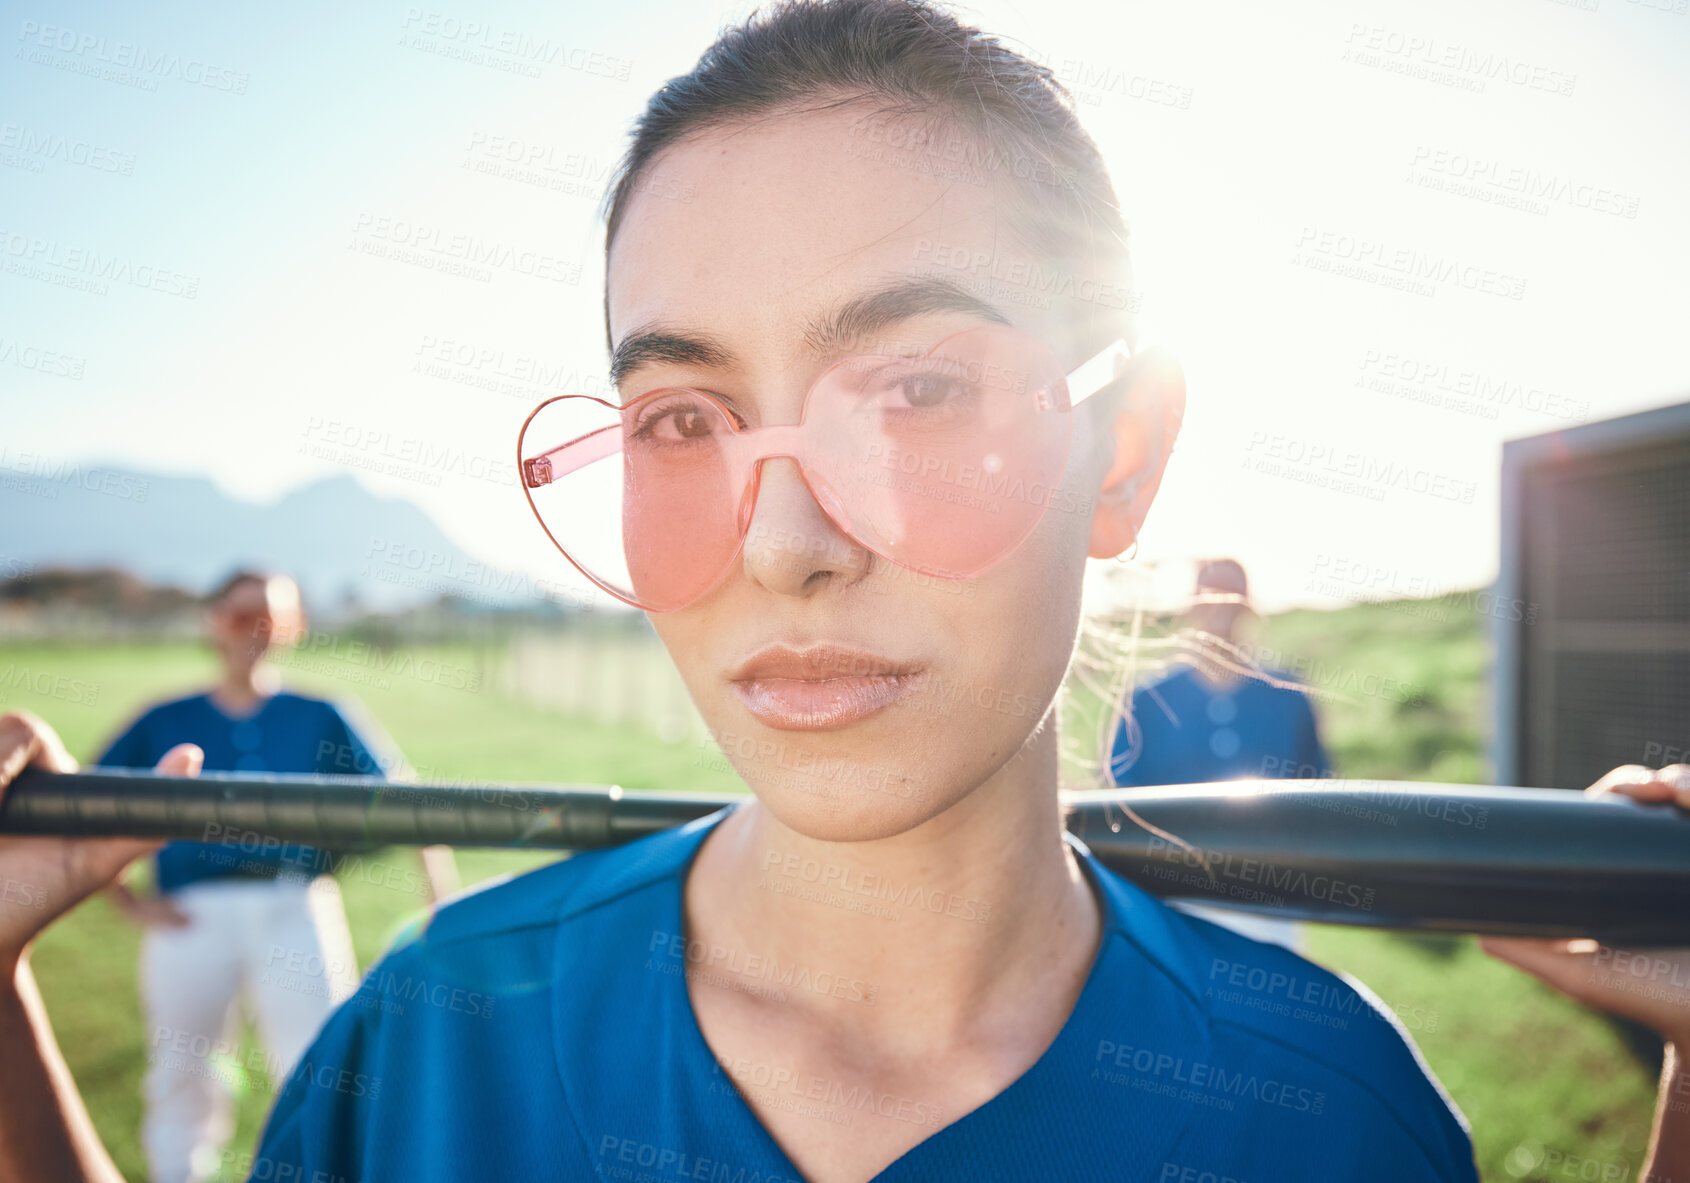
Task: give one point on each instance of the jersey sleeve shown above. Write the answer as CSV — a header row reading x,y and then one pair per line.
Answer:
x,y
1311,753
1129,762
354,744
313,1129
132,749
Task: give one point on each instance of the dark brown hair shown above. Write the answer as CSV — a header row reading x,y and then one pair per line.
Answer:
x,y
233,580
909,59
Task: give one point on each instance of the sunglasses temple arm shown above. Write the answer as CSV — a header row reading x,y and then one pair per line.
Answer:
x,y
1098,371
549,466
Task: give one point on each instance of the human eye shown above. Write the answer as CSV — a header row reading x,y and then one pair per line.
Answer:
x,y
673,420
924,389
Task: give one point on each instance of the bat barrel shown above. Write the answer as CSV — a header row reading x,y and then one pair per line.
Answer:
x,y
1399,854
1460,858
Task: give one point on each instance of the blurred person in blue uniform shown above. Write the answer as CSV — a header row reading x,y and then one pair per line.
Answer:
x,y
1204,721
241,914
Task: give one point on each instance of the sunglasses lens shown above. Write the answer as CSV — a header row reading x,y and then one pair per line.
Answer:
x,y
638,497
945,463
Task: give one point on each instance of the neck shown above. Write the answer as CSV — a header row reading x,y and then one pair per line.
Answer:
x,y
950,924
243,689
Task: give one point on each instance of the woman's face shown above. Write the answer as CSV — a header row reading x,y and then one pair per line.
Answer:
x,y
790,220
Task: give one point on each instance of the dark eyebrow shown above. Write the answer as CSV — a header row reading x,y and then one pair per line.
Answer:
x,y
844,329
841,330
656,345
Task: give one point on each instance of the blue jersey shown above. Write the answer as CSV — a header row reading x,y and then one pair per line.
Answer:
x,y
289,733
541,1028
1192,731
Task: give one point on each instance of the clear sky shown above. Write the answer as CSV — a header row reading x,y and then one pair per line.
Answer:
x,y
1385,237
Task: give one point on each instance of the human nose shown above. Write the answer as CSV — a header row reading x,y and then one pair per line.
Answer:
x,y
792,547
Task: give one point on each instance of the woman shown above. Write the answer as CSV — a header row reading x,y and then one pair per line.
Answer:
x,y
224,917
892,964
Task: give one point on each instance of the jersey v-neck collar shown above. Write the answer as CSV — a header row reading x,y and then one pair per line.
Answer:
x,y
1140,994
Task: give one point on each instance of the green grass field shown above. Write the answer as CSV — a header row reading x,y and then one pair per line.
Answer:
x,y
1545,1084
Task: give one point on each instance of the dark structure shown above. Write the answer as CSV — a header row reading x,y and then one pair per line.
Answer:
x,y
1592,604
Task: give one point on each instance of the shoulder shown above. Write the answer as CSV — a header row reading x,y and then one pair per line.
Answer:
x,y
306,704
172,709
1176,678
535,914
1279,682
472,993
338,716
1289,1034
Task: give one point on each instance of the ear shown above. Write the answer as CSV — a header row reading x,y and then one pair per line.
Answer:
x,y
1146,424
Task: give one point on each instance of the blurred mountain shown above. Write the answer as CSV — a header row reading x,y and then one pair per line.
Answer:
x,y
342,542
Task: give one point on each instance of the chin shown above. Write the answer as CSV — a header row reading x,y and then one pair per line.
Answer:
x,y
830,804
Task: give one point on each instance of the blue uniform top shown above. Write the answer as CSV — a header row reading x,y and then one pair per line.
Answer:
x,y
289,733
1192,731
541,1028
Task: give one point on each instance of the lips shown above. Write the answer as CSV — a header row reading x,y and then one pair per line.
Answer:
x,y
820,688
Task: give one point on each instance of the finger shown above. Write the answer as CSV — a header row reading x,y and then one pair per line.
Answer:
x,y
26,740
1637,781
1556,962
1677,776
185,759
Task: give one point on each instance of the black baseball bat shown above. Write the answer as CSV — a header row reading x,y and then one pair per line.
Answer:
x,y
1389,854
